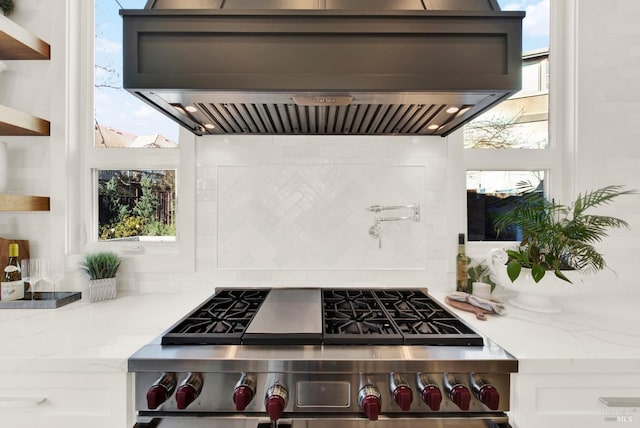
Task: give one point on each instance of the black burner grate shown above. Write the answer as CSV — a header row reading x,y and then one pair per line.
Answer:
x,y
422,321
350,317
220,320
355,317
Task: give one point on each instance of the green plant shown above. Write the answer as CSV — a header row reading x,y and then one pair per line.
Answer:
x,y
558,237
478,271
101,265
7,6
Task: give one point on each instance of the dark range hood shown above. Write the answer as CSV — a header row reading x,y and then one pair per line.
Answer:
x,y
334,67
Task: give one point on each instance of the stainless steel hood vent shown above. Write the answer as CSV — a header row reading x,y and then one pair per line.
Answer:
x,y
338,67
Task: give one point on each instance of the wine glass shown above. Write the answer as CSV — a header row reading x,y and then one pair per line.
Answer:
x,y
38,269
54,273
26,276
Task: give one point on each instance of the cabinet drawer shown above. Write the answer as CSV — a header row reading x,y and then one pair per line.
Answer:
x,y
65,400
561,400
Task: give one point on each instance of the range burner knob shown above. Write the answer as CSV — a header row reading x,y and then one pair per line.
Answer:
x,y
370,403
489,396
461,396
244,391
432,397
242,396
276,401
403,397
457,392
401,392
189,390
486,393
429,391
161,390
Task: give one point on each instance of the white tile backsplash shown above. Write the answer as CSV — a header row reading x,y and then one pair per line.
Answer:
x,y
291,210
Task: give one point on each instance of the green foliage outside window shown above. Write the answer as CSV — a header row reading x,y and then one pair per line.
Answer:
x,y
130,204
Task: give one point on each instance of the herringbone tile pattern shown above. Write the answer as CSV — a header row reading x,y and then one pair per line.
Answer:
x,y
315,217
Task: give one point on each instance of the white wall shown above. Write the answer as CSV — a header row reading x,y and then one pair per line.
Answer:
x,y
26,86
607,140
608,120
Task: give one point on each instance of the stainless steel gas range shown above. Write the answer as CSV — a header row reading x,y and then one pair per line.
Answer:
x,y
335,358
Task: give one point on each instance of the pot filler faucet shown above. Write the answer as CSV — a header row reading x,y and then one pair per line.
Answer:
x,y
375,231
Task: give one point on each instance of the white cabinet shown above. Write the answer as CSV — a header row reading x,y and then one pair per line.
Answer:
x,y
65,400
559,400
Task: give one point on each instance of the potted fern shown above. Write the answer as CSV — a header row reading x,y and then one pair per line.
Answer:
x,y
101,268
7,7
556,238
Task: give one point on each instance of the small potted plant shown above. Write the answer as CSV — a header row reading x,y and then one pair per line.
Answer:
x,y
101,268
7,7
558,237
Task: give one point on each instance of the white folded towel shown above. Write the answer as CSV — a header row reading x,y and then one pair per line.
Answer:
x,y
487,305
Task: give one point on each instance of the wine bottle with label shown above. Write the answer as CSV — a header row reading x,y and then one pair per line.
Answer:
x,y
12,285
461,266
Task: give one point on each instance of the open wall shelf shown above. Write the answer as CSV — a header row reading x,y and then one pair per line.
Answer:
x,y
17,123
10,202
16,43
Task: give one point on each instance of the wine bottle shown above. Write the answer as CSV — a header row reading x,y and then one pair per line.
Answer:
x,y
12,286
461,266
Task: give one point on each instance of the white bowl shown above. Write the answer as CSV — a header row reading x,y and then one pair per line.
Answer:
x,y
532,296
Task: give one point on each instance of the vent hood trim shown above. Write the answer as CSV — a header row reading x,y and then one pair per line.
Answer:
x,y
241,72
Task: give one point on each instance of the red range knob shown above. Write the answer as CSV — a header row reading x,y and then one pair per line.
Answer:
x,y
156,395
403,396
185,395
275,405
461,396
489,396
371,407
242,396
432,397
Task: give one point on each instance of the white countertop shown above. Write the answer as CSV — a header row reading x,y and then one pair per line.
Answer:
x,y
84,336
594,332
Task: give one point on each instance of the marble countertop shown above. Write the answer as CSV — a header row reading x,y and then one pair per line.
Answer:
x,y
597,332
594,332
84,336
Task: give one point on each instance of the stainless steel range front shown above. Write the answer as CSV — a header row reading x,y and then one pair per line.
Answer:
x,y
321,358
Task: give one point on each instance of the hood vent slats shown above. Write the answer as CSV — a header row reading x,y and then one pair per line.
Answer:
x,y
355,119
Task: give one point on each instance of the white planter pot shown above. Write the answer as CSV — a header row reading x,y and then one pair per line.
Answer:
x,y
532,296
102,289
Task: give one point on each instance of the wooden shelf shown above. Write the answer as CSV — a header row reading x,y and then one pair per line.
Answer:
x,y
17,123
9,202
16,43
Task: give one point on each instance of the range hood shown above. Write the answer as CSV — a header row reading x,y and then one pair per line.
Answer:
x,y
336,67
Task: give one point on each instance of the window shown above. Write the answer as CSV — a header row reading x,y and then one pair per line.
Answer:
x,y
137,205
483,202
139,194
510,143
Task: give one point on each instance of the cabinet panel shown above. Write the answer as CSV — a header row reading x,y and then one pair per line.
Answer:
x,y
559,400
65,400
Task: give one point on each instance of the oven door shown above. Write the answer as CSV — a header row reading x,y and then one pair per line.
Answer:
x,y
238,421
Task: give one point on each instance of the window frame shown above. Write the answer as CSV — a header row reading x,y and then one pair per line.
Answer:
x,y
178,256
558,160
